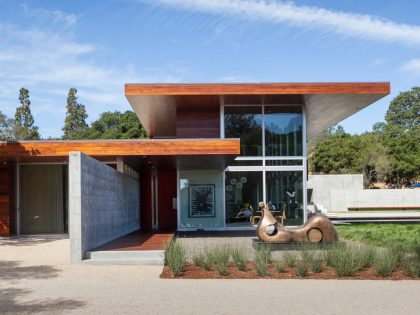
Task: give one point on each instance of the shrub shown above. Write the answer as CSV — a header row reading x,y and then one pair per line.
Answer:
x,y
301,270
412,267
307,254
279,266
262,259
385,263
334,252
345,260
221,255
175,257
367,256
199,260
317,265
289,259
239,257
208,259
399,252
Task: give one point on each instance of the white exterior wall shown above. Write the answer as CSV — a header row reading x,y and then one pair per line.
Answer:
x,y
336,193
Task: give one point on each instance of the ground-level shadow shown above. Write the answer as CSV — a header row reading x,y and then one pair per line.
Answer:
x,y
12,270
31,241
10,304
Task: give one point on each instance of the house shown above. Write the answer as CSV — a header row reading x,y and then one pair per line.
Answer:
x,y
215,150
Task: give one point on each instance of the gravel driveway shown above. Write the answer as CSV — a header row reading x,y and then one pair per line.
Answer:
x,y
35,278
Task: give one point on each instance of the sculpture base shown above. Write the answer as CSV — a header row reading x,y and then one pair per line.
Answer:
x,y
256,244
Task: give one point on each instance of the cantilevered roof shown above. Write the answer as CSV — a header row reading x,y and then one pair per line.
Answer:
x,y
105,150
326,103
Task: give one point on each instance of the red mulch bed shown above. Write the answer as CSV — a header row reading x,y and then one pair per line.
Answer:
x,y
193,272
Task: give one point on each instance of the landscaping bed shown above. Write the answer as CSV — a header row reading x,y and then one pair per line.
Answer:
x,y
191,271
339,261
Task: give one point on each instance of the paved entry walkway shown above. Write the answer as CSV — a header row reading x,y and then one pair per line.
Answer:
x,y
35,278
139,240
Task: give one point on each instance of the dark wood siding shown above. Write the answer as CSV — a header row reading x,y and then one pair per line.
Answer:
x,y
6,201
198,123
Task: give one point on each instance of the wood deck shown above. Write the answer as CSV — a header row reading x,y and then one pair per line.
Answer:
x,y
139,241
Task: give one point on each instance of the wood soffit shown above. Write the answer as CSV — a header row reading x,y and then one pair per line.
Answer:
x,y
111,148
258,88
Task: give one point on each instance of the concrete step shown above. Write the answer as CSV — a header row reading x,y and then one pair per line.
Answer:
x,y
134,257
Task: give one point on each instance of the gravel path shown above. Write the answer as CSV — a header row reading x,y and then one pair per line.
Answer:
x,y
36,278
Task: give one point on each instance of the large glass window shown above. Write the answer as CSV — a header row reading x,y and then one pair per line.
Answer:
x,y
285,195
283,130
243,192
245,122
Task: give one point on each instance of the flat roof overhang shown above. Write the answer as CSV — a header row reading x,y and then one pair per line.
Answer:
x,y
216,151
326,103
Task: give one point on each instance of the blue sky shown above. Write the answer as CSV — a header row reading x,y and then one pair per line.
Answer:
x,y
97,46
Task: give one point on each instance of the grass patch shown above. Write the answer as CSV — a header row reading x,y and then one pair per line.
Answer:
x,y
412,267
301,270
279,266
289,259
175,257
385,263
346,259
407,235
239,257
262,259
221,255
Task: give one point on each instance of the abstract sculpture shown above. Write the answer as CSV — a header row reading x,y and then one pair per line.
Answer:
x,y
317,229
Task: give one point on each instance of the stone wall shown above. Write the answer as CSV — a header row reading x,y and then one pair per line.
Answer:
x,y
103,204
336,193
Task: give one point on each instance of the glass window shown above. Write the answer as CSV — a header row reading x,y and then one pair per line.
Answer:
x,y
245,122
243,192
283,162
285,193
247,163
283,130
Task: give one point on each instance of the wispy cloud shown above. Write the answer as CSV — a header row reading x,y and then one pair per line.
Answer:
x,y
309,17
56,16
412,66
49,60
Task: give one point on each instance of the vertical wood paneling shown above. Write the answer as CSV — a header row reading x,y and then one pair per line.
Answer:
x,y
198,123
5,200
42,199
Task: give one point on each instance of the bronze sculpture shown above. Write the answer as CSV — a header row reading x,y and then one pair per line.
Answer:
x,y
317,229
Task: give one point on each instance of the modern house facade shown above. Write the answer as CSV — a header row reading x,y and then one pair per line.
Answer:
x,y
214,151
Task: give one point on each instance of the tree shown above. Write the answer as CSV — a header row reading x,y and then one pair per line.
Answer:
x,y
25,129
373,159
116,125
339,153
7,128
402,136
75,121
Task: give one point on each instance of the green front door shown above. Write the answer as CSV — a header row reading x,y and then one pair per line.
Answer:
x,y
42,199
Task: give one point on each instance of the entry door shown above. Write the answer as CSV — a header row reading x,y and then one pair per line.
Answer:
x,y
158,193
167,213
42,199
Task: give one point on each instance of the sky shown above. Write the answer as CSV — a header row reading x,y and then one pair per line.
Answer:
x,y
98,46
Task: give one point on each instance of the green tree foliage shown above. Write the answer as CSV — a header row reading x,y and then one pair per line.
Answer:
x,y
7,128
116,125
373,159
75,123
391,152
402,136
338,153
25,129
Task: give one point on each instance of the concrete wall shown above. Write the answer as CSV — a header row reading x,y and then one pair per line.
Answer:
x,y
336,193
103,204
